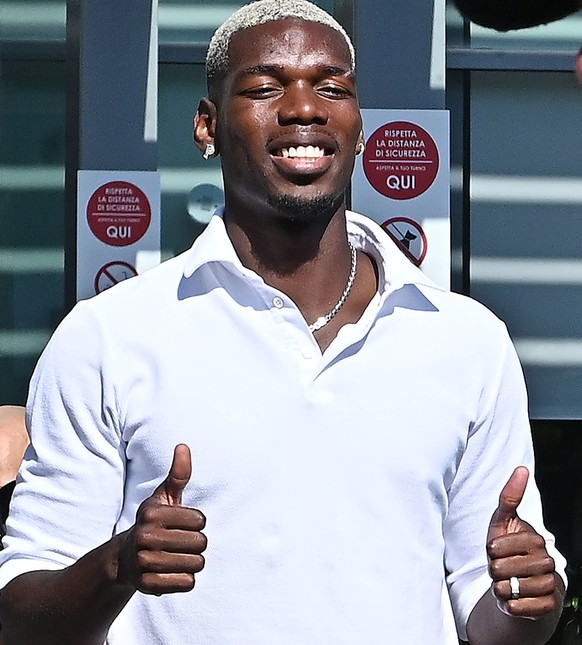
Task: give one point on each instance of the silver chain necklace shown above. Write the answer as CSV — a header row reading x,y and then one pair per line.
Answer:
x,y
323,320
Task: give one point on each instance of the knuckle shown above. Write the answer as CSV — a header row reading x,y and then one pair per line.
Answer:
x,y
492,549
555,604
149,583
498,590
495,568
549,584
200,562
548,564
536,543
551,563
143,539
143,559
148,514
513,607
201,520
203,541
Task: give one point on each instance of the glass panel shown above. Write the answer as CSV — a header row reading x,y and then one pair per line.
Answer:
x,y
179,20
184,21
32,19
526,225
181,165
454,23
561,35
32,131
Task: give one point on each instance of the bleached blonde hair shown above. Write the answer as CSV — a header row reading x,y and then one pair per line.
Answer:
x,y
258,13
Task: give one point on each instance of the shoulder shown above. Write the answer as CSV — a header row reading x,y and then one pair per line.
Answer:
x,y
130,309
459,312
144,297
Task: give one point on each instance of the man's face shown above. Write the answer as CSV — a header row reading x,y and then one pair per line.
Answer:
x,y
288,117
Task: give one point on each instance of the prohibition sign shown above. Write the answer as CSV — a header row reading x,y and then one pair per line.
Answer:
x,y
409,237
401,160
112,273
119,213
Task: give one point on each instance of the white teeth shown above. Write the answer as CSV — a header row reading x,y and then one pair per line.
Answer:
x,y
304,152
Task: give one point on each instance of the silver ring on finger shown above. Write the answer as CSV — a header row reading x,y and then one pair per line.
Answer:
x,y
514,586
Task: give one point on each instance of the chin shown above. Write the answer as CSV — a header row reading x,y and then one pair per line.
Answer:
x,y
304,209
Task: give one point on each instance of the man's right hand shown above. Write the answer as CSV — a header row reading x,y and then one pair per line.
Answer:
x,y
163,550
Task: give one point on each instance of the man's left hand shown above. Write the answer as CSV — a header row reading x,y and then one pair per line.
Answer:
x,y
516,551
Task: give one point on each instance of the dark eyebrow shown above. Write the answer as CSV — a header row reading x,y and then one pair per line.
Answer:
x,y
329,70
336,71
262,69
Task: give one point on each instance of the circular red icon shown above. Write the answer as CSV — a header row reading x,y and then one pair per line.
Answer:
x,y
119,213
401,160
112,273
409,236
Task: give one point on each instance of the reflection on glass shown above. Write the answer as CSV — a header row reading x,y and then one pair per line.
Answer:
x,y
32,131
181,165
563,35
526,193
181,21
188,22
41,20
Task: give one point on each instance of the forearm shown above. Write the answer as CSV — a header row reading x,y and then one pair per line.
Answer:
x,y
488,625
73,606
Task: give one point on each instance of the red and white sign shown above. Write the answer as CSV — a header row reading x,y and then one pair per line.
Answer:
x,y
402,181
409,236
401,160
119,213
118,227
112,273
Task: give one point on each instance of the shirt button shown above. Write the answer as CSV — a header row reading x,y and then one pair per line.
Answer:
x,y
307,353
278,302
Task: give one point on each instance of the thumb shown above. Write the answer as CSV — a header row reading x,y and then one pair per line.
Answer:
x,y
503,519
170,490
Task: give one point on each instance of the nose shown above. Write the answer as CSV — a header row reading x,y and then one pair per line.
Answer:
x,y
300,104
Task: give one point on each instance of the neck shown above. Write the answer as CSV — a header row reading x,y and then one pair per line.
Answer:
x,y
307,260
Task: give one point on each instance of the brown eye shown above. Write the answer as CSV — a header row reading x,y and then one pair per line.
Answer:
x,y
261,92
334,91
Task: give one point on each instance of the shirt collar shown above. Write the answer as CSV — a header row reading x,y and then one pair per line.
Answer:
x,y
213,245
395,270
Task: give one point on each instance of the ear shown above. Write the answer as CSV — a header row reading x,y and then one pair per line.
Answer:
x,y
360,143
205,124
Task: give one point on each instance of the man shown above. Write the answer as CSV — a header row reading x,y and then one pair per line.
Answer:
x,y
504,15
351,425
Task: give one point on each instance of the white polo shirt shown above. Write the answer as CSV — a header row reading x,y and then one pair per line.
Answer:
x,y
347,494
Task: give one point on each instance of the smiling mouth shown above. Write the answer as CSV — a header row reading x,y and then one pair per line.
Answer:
x,y
302,152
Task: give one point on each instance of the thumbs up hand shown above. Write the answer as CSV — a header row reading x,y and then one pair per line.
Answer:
x,y
523,573
163,550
